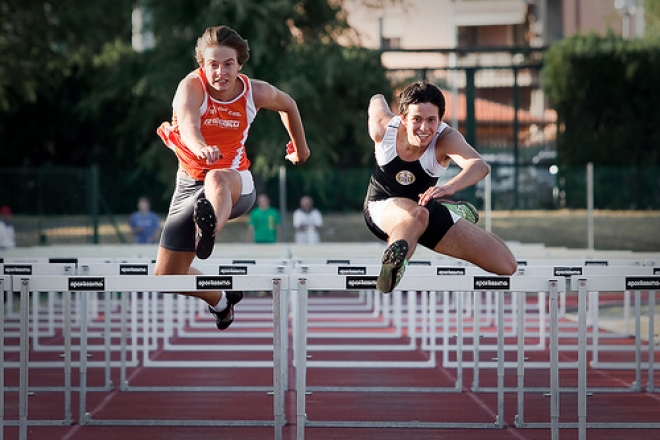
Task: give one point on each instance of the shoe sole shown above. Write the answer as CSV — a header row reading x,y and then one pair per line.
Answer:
x,y
393,265
467,205
233,298
204,218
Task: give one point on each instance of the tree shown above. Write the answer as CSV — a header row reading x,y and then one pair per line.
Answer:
x,y
606,93
74,92
47,50
84,96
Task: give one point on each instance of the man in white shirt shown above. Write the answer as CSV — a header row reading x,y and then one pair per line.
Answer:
x,y
306,221
7,232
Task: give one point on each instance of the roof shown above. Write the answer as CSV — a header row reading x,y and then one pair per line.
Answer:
x,y
490,111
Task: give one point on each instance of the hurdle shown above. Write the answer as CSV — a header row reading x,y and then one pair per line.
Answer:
x,y
410,311
116,283
604,283
5,288
327,282
43,266
583,284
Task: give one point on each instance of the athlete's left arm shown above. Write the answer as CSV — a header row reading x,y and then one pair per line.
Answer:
x,y
270,97
452,145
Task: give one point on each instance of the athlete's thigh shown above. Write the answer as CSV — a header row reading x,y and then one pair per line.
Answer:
x,y
395,211
227,178
169,262
471,243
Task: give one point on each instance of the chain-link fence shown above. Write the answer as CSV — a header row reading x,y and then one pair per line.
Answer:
x,y
73,205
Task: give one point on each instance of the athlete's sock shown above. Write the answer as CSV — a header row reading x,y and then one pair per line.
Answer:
x,y
222,304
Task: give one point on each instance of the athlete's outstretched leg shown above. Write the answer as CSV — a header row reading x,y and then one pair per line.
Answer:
x,y
471,243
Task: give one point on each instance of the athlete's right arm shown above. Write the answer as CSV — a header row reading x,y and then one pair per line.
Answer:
x,y
380,115
187,101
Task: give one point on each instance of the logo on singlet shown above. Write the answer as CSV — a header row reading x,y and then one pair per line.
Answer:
x,y
405,177
224,123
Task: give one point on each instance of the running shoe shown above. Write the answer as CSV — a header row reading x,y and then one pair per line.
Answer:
x,y
206,222
393,267
224,318
462,209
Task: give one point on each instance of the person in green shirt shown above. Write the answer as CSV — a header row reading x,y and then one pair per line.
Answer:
x,y
264,221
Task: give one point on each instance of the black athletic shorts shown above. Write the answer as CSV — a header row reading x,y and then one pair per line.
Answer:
x,y
440,220
179,229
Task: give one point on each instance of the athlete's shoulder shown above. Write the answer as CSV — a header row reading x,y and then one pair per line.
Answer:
x,y
449,135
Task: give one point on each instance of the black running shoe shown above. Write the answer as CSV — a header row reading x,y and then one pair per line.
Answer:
x,y
206,222
224,318
393,267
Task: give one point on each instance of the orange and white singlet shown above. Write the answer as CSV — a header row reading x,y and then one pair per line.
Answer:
x,y
223,124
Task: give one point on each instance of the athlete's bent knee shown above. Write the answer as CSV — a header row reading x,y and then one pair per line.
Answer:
x,y
219,177
508,266
421,216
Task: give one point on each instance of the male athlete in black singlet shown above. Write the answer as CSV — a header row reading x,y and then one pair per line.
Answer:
x,y
404,206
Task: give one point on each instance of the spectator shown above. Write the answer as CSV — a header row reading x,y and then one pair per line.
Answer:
x,y
7,231
145,224
264,220
306,221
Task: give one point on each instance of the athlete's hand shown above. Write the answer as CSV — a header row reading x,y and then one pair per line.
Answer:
x,y
294,156
434,192
209,152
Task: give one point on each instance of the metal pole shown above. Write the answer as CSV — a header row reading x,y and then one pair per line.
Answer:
x,y
650,387
24,359
475,344
68,414
554,363
94,200
637,387
500,360
516,127
301,359
278,376
452,64
123,385
582,360
459,340
83,414
520,417
590,205
2,358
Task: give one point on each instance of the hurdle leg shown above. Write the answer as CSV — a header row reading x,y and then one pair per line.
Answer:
x,y
582,360
637,386
107,329
278,370
499,422
83,415
123,383
476,330
24,359
2,359
459,340
301,359
68,414
554,363
520,417
650,387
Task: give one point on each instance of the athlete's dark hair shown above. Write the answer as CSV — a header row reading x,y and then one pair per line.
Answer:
x,y
421,92
222,36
